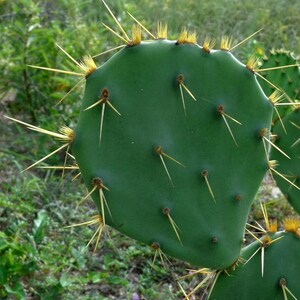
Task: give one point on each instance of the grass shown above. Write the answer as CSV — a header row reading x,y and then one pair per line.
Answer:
x,y
40,259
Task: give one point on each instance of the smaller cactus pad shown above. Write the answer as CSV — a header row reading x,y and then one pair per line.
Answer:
x,y
279,256
286,79
289,142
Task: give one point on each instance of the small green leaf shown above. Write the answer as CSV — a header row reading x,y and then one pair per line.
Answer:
x,y
16,290
117,280
40,225
65,280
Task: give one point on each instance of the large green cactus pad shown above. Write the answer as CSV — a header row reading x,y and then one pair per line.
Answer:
x,y
281,271
179,178
289,142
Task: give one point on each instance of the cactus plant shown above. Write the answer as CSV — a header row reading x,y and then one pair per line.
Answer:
x,y
170,143
289,167
278,255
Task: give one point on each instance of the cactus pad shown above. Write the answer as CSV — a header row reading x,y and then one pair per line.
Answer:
x,y
280,260
168,143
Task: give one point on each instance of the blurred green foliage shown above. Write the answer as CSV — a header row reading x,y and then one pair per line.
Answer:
x,y
38,258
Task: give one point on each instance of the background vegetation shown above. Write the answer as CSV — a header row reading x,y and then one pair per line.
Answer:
x,y
39,258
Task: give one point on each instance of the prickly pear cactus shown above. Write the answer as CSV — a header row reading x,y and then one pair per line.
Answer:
x,y
169,145
286,79
289,142
270,269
